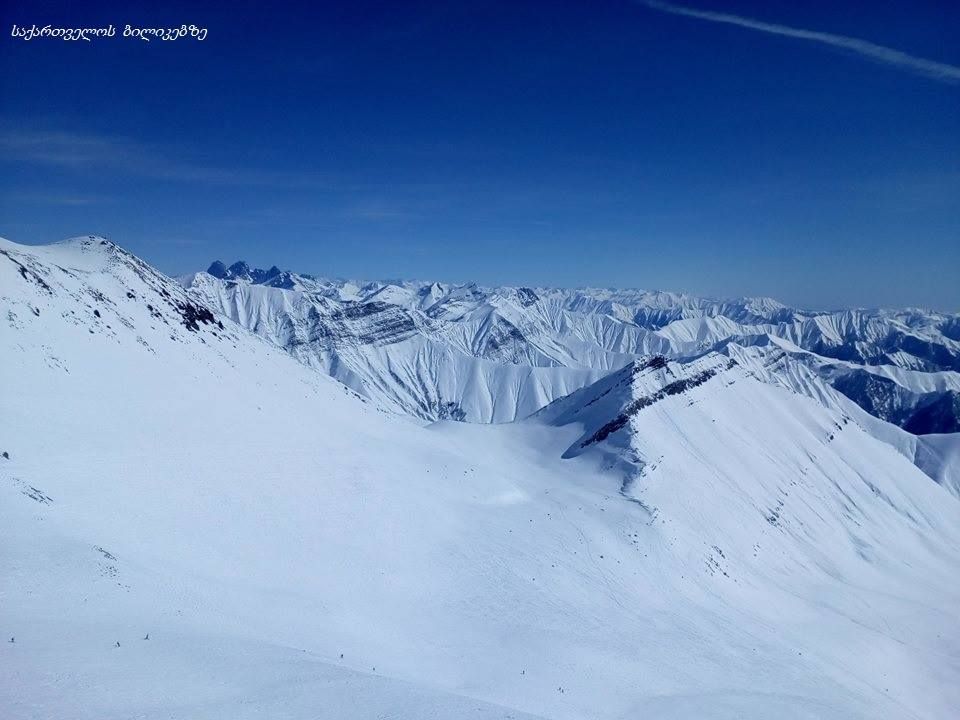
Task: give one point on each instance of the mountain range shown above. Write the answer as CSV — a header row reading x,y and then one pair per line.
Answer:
x,y
252,493
431,349
437,351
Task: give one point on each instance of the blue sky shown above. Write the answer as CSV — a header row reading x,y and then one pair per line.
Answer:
x,y
605,143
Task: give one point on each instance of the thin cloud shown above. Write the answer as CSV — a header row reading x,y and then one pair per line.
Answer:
x,y
77,152
61,199
929,68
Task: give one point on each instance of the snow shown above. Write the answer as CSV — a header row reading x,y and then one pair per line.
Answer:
x,y
279,537
939,457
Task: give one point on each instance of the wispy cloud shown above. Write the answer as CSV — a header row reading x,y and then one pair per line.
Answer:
x,y
53,198
929,68
125,156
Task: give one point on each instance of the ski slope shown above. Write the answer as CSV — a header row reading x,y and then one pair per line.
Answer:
x,y
727,548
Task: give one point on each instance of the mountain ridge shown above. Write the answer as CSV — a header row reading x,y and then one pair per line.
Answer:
x,y
241,270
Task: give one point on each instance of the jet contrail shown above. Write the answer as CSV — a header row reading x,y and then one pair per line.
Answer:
x,y
930,68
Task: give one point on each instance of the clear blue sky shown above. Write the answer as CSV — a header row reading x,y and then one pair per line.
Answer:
x,y
556,143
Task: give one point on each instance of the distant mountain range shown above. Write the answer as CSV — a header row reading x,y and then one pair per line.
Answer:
x,y
436,350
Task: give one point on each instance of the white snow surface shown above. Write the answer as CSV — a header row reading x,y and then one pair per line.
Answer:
x,y
729,548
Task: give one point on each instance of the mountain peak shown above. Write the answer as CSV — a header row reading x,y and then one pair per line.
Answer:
x,y
240,270
606,407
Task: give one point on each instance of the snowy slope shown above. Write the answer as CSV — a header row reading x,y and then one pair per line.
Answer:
x,y
939,457
730,549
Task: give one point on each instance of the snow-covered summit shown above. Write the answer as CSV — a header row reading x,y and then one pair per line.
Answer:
x,y
607,408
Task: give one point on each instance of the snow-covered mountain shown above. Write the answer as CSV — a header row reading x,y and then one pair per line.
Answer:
x,y
498,354
196,525
780,363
